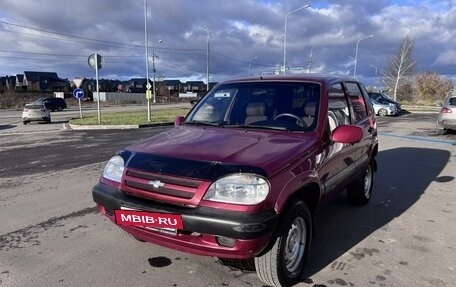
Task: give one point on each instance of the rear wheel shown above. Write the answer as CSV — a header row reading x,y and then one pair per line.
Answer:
x,y
360,192
48,120
25,122
440,131
283,264
60,108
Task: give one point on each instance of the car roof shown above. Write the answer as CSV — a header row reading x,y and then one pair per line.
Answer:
x,y
319,78
35,106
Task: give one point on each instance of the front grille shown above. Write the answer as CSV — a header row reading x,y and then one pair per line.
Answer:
x,y
163,188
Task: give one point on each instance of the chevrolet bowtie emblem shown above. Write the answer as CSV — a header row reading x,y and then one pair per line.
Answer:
x,y
156,183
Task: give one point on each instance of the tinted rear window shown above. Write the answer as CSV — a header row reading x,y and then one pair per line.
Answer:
x,y
34,107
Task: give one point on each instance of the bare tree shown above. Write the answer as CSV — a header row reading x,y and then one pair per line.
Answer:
x,y
431,87
400,68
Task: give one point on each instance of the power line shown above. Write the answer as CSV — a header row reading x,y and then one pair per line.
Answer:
x,y
80,39
67,35
91,39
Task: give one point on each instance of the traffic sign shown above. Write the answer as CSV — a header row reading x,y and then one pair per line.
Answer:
x,y
78,93
94,62
77,82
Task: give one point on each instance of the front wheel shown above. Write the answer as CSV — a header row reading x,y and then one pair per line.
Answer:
x,y
283,264
360,192
382,112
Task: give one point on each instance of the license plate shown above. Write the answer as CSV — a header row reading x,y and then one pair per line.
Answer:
x,y
161,222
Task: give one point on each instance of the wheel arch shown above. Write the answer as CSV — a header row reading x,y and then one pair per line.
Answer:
x,y
310,194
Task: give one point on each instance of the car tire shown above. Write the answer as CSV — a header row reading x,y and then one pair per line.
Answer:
x,y
48,120
440,131
59,108
283,263
382,112
360,192
25,122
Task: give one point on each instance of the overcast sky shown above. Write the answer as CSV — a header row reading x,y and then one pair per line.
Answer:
x,y
59,35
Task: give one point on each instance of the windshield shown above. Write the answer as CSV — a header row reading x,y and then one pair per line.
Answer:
x,y
388,97
288,106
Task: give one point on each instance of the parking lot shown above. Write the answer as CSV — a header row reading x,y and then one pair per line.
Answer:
x,y
52,235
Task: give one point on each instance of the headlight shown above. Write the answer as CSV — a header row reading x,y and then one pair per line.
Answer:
x,y
239,189
114,169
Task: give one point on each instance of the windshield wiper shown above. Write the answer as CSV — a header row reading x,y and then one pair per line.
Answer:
x,y
257,127
203,124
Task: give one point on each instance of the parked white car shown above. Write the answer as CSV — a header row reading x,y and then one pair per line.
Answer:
x,y
383,109
35,112
447,115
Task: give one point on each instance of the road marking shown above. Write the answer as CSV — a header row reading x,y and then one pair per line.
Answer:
x,y
418,138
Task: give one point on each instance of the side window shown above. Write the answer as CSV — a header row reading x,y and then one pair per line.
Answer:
x,y
356,100
338,112
367,100
452,101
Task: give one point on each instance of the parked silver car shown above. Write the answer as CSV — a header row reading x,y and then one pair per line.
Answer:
x,y
384,109
35,112
447,115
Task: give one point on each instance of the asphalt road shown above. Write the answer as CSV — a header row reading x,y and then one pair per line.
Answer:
x,y
51,234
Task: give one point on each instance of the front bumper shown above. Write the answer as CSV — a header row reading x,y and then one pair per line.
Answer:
x,y
203,228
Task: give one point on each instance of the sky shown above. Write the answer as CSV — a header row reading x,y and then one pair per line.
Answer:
x,y
245,37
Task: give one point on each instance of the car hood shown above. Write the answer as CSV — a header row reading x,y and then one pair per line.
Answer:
x,y
268,151
379,106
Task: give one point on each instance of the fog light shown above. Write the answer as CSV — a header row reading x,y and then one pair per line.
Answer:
x,y
225,241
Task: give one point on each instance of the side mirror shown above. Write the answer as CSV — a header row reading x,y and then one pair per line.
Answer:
x,y
178,120
347,134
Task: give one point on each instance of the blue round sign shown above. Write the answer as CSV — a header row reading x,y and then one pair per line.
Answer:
x,y
78,93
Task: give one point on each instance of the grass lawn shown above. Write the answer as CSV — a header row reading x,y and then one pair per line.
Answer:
x,y
132,118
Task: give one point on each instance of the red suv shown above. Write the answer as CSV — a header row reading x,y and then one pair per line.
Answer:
x,y
242,175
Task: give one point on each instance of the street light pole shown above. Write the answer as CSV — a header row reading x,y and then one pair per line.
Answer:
x,y
207,58
310,63
376,69
250,64
153,70
285,37
146,43
356,53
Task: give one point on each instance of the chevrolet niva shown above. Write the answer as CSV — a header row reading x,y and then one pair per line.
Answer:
x,y
242,175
